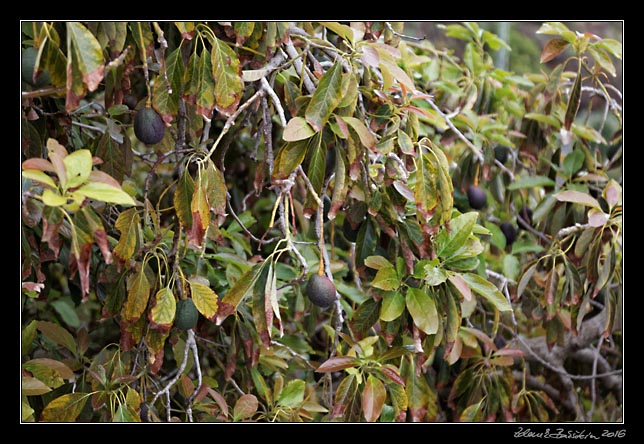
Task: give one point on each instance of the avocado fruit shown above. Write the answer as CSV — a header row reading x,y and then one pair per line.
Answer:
x,y
187,315
476,197
149,127
321,291
501,153
509,232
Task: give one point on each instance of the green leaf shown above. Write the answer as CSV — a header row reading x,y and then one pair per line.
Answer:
x,y
205,85
87,54
422,308
117,157
602,58
386,279
106,193
544,118
531,182
343,31
166,94
227,75
289,158
39,176
377,262
393,305
240,288
183,198
292,394
205,299
52,198
297,129
126,413
326,97
164,307
58,335
574,100
65,408
488,290
460,229
558,28
588,133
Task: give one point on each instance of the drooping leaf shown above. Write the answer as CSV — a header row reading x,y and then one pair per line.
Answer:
x,y
128,224
200,211
574,100
553,48
204,298
163,309
137,295
228,304
422,308
289,158
326,97
422,400
205,85
227,75
346,397
183,196
373,398
85,63
166,94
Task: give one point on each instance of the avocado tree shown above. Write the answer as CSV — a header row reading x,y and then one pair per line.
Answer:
x,y
318,221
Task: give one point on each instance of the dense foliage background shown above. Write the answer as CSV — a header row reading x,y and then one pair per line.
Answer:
x,y
349,150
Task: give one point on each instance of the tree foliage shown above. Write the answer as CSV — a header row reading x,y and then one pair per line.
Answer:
x,y
318,147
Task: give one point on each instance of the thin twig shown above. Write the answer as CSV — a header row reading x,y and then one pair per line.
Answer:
x,y
231,120
476,151
166,390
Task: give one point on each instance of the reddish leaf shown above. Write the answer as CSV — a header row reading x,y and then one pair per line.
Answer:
x,y
373,398
393,375
337,363
552,49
